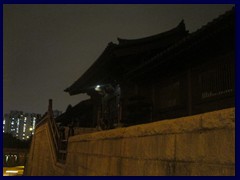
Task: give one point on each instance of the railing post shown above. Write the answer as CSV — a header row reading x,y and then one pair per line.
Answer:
x,y
50,106
61,155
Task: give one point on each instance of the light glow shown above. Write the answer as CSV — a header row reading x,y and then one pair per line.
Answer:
x,y
98,88
11,171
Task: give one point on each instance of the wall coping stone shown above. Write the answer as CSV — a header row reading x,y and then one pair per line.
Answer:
x,y
219,119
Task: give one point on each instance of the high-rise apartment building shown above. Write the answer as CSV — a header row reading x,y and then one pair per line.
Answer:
x,y
20,124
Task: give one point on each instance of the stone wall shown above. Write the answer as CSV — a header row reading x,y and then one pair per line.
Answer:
x,y
42,158
196,145
79,131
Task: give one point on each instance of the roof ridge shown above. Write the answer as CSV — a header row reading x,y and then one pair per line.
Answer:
x,y
180,27
215,20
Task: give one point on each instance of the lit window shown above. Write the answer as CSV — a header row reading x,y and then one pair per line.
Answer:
x,y
24,127
15,157
6,158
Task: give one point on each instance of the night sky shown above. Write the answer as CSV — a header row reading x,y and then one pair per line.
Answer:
x,y
48,47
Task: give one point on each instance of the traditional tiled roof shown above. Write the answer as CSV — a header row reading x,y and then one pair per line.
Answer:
x,y
114,52
130,58
180,28
220,23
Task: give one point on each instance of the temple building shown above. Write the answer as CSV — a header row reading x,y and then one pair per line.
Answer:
x,y
168,75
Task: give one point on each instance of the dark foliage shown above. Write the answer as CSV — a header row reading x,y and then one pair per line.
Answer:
x,y
9,141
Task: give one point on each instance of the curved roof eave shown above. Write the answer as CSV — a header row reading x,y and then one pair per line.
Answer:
x,y
179,28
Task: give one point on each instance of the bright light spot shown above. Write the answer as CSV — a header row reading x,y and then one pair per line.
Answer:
x,y
97,88
30,129
11,171
24,127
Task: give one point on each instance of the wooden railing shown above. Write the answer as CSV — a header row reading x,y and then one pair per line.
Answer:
x,y
60,145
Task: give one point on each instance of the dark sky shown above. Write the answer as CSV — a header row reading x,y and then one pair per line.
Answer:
x,y
48,47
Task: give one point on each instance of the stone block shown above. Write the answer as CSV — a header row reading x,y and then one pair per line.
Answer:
x,y
165,147
92,163
219,119
103,168
155,168
212,170
183,168
130,147
81,171
116,145
82,160
114,166
107,147
85,147
72,147
70,173
100,146
132,167
218,146
98,164
179,125
69,158
146,147
203,169
189,147
80,147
